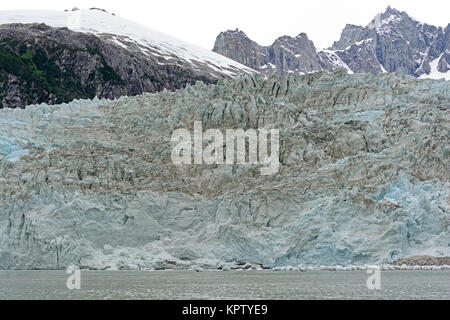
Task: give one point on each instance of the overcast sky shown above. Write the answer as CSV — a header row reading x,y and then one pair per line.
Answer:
x,y
200,21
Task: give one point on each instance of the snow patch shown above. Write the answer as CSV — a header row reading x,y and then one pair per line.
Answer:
x,y
335,60
435,74
379,23
119,43
383,70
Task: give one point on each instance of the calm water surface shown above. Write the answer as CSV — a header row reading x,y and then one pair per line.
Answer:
x,y
225,285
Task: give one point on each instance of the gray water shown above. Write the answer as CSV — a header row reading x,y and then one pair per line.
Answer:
x,y
225,285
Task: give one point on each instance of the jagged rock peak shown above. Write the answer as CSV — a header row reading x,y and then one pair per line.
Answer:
x,y
236,32
286,55
391,42
390,16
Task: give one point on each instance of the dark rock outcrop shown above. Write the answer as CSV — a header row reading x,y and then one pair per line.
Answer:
x,y
423,261
42,64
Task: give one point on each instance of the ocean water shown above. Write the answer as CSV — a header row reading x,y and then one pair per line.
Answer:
x,y
225,285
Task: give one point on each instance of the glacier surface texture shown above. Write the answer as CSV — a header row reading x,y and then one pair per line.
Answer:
x,y
363,177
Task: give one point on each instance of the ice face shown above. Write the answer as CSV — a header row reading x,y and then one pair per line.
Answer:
x,y
363,177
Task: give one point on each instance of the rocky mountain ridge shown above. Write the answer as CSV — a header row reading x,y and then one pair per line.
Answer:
x,y
392,42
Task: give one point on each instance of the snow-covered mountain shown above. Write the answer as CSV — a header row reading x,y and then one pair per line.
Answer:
x,y
391,42
151,42
92,52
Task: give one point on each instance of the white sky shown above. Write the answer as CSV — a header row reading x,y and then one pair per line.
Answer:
x,y
200,21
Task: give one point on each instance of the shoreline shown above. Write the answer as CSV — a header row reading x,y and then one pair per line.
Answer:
x,y
383,267
416,263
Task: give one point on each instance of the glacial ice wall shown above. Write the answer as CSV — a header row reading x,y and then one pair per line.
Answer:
x,y
364,177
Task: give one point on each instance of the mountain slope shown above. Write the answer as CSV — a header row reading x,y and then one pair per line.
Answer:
x,y
363,178
391,42
102,55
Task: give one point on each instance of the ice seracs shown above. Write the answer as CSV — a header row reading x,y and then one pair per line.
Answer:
x,y
363,178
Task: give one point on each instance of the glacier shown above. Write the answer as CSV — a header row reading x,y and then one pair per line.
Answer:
x,y
363,177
